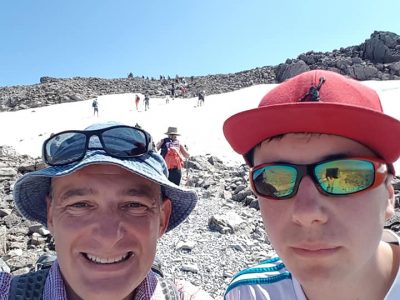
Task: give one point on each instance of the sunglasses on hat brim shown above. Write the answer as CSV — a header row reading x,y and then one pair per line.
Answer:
x,y
119,141
334,177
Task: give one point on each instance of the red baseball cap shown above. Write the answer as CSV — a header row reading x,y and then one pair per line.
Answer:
x,y
318,101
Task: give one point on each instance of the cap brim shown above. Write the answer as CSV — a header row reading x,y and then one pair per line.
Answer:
x,y
31,190
371,128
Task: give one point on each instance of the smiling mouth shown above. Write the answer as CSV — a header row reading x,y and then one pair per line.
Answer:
x,y
107,260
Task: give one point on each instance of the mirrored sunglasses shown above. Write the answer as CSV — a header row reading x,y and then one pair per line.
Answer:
x,y
335,177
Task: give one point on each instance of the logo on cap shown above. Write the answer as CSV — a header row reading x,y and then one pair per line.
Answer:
x,y
313,93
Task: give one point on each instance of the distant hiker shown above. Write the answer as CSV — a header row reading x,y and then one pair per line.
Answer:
x,y
173,91
183,90
146,102
95,106
137,100
174,154
200,98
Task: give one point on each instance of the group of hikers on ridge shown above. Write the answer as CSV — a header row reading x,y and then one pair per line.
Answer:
x,y
323,183
146,101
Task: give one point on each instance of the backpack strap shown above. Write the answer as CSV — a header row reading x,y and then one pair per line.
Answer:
x,y
168,288
163,147
28,286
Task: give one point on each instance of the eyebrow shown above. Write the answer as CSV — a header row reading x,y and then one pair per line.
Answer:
x,y
141,190
327,157
76,192
336,156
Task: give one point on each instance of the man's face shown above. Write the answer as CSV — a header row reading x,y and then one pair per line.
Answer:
x,y
105,221
323,238
172,136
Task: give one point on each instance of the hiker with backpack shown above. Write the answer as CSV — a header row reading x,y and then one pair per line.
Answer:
x,y
95,106
105,208
146,102
320,151
174,154
200,98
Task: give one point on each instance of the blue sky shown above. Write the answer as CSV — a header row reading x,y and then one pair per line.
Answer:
x,y
109,39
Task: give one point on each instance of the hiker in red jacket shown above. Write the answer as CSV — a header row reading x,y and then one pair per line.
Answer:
x,y
137,100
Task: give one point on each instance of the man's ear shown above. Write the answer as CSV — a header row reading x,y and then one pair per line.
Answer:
x,y
49,202
391,199
165,213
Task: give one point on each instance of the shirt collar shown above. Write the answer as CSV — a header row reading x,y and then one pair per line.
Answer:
x,y
54,287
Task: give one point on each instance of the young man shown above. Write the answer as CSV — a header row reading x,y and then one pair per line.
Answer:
x,y
321,153
106,200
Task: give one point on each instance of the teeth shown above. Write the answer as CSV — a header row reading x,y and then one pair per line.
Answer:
x,y
107,260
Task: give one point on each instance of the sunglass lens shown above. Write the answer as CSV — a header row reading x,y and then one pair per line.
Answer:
x,y
65,148
346,176
124,141
275,181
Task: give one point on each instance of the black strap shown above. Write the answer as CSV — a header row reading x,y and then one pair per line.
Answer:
x,y
163,147
168,288
28,286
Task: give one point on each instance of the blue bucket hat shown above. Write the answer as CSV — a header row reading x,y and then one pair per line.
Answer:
x,y
30,190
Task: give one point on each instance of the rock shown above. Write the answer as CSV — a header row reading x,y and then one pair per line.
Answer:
x,y
21,271
361,72
4,267
286,71
382,47
3,240
395,68
5,212
14,252
39,229
228,223
37,239
190,268
7,172
187,245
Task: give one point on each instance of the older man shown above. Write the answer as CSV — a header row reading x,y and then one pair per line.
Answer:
x,y
106,199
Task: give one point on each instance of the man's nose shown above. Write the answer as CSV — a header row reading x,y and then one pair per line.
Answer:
x,y
309,204
109,227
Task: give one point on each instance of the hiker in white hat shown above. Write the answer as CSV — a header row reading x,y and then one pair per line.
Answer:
x,y
174,154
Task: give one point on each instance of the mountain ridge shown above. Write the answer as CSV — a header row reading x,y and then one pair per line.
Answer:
x,y
377,58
